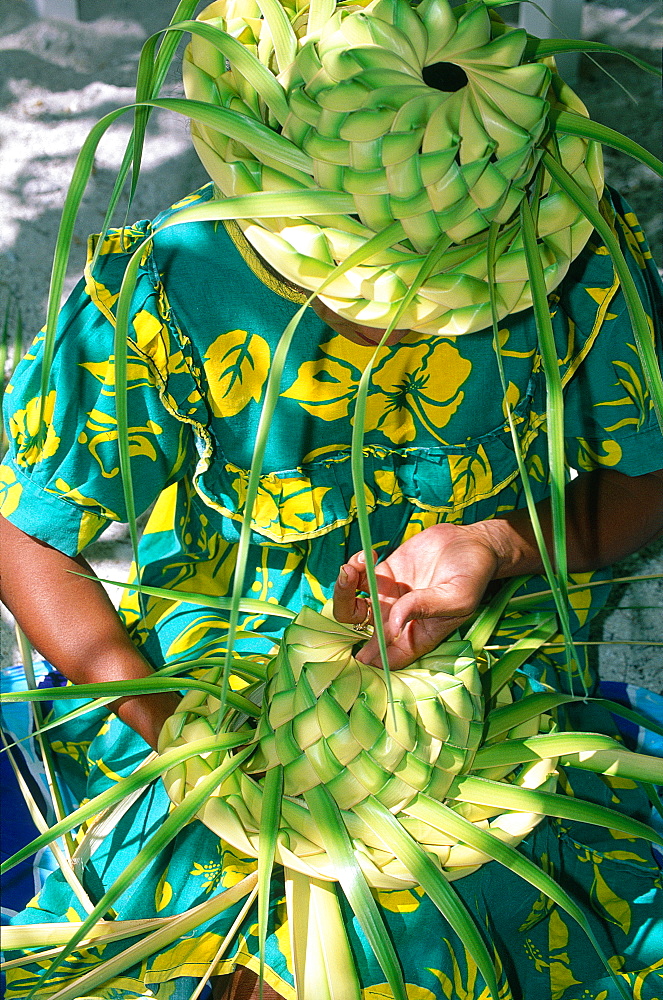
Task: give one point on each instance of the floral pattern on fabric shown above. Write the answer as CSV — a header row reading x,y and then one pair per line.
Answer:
x,y
420,387
437,448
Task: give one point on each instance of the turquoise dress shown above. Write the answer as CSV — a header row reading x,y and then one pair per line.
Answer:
x,y
206,318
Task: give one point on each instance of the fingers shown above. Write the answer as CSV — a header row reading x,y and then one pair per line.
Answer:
x,y
416,639
447,603
416,623
348,607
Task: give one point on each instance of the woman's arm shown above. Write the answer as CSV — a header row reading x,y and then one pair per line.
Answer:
x,y
73,624
437,578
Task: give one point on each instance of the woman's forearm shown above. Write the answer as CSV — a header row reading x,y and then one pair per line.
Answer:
x,y
73,624
608,516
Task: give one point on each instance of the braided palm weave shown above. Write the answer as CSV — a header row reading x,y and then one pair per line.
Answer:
x,y
428,118
326,719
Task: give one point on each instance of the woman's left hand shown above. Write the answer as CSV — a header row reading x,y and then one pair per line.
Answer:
x,y
428,587
434,581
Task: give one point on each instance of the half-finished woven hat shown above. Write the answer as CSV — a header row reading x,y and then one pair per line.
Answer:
x,y
326,719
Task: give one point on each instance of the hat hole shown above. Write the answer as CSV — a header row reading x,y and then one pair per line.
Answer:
x,y
445,76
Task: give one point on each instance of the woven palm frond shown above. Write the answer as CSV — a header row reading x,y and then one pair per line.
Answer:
x,y
326,720
428,118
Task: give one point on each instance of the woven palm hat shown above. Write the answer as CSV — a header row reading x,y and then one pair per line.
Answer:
x,y
429,123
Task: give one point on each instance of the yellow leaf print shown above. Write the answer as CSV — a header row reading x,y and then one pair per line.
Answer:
x,y
106,770
561,978
387,483
589,459
325,387
616,909
210,873
190,957
558,932
151,337
511,399
235,868
400,900
503,338
78,751
236,365
102,297
420,383
600,296
535,468
88,529
581,600
138,374
383,992
163,893
96,514
162,517
104,429
471,477
10,491
463,986
637,396
284,506
35,440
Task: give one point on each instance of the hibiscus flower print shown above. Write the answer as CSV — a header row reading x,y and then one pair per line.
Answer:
x,y
415,384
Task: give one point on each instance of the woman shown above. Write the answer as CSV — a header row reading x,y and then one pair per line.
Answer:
x,y
448,517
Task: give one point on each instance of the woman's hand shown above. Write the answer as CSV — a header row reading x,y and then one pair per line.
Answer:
x,y
434,581
428,587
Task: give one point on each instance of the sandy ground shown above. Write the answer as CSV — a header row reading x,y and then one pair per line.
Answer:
x,y
57,79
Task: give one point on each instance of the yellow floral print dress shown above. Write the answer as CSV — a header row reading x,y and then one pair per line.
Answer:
x,y
206,319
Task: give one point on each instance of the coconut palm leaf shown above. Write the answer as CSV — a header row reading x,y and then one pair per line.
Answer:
x,y
354,885
323,963
270,816
523,601
141,777
558,595
157,73
281,30
62,856
554,424
320,12
175,927
570,123
249,605
171,826
357,449
639,321
429,877
116,689
449,822
482,791
591,752
541,48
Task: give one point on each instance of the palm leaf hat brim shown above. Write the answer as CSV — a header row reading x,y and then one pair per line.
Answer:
x,y
431,121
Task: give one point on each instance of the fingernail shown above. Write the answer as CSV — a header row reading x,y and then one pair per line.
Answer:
x,y
343,578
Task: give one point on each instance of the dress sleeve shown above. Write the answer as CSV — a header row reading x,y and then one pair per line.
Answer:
x,y
60,480
609,413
